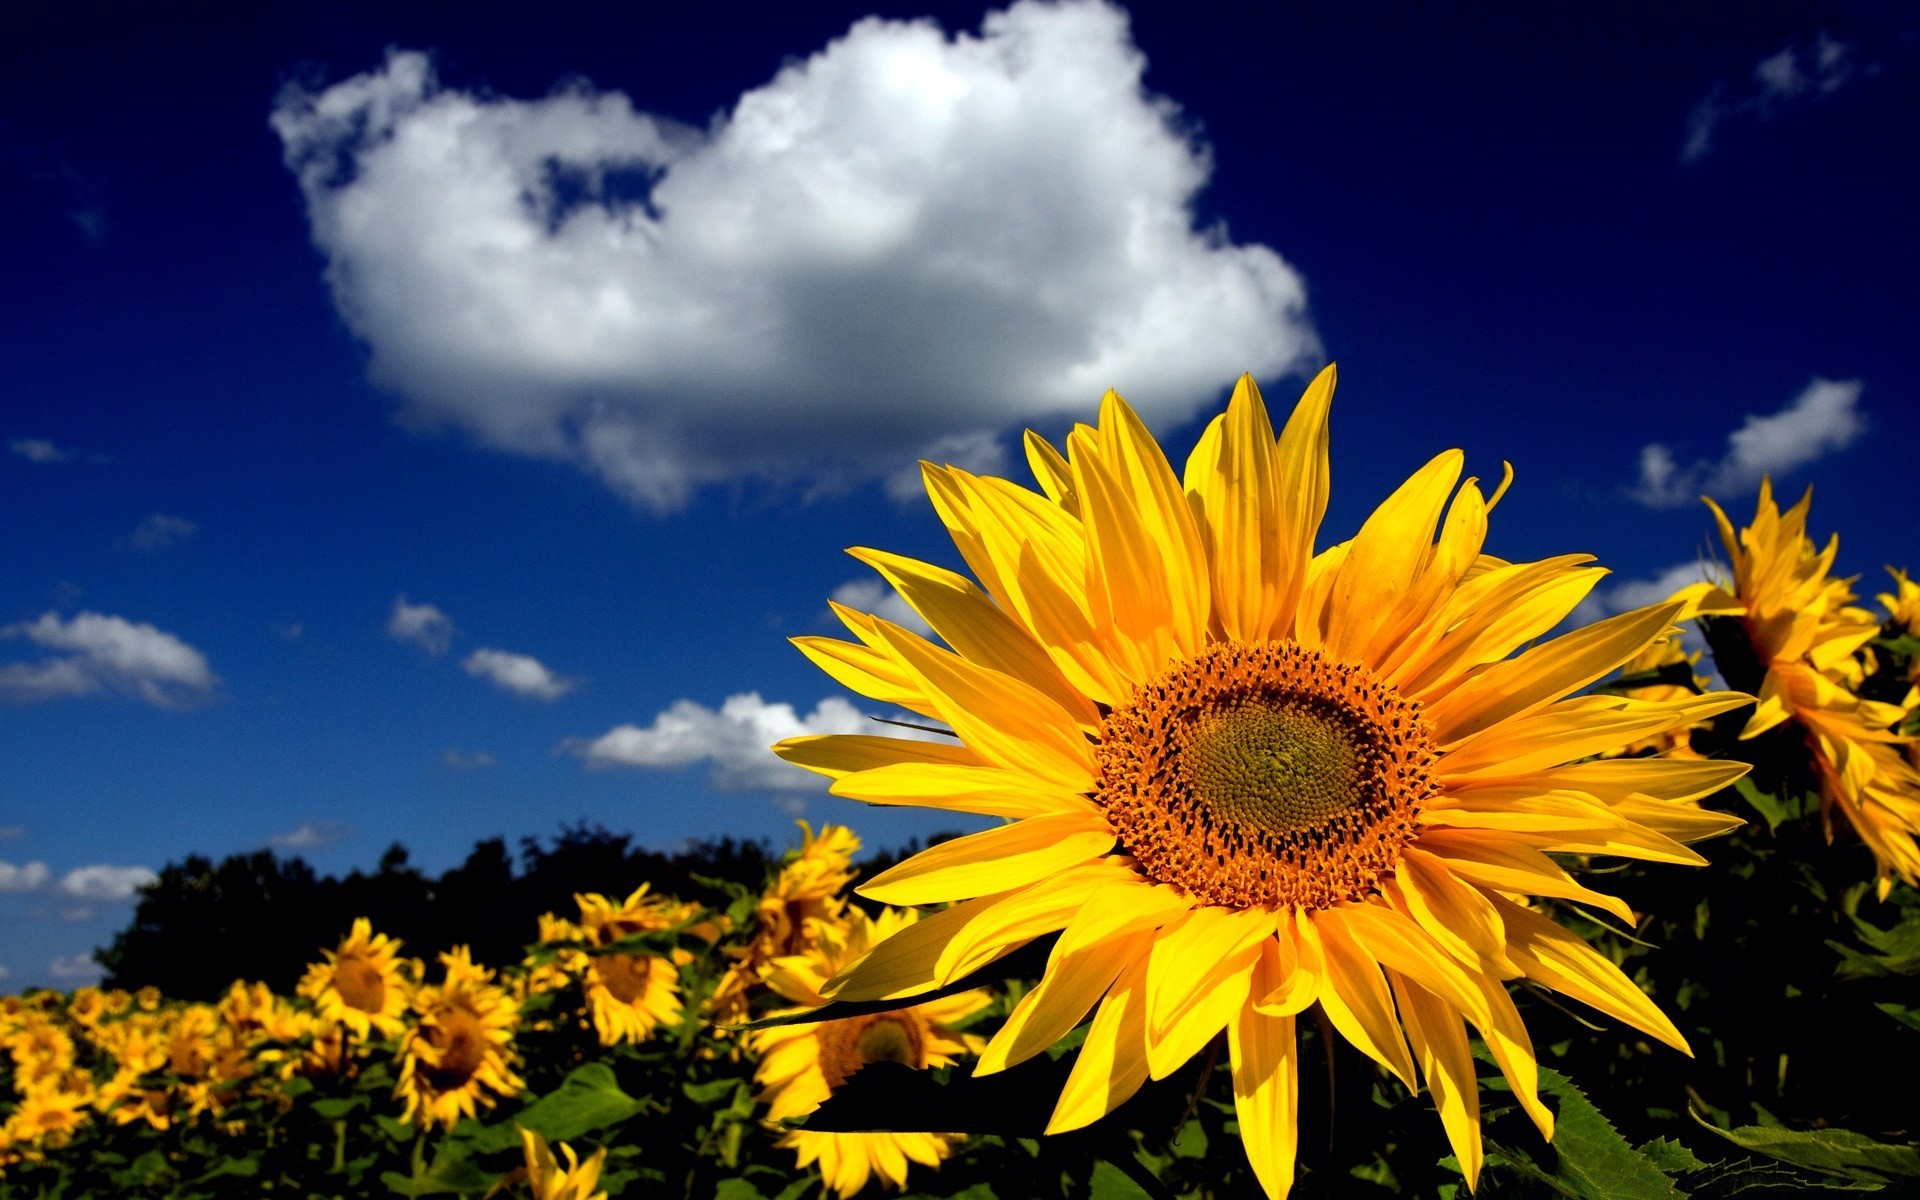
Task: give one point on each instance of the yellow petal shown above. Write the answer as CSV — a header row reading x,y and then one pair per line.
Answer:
x,y
1052,472
991,791
1399,944
1354,995
1575,728
1453,913
1503,863
1233,480
1440,1044
1513,1050
1186,953
1266,1095
1112,1063
1556,958
1072,985
838,754
993,860
1487,617
1292,964
1388,555
872,673
1303,483
1041,908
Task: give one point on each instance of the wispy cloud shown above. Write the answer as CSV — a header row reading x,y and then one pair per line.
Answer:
x,y
10,832
27,877
159,532
424,625
106,654
467,760
736,740
313,835
907,240
521,674
102,881
40,450
1823,418
1800,74
76,968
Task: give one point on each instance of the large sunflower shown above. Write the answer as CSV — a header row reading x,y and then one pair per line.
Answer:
x,y
361,983
1243,778
801,1065
1806,634
459,1056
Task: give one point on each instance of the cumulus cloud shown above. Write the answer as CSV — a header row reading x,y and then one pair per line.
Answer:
x,y
106,654
313,835
1823,418
160,532
905,240
28,877
873,596
103,882
467,760
76,968
40,450
521,674
736,740
1798,74
422,624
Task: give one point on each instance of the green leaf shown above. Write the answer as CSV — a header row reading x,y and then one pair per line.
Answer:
x,y
1592,1160
1111,1183
1776,810
1910,1017
737,1189
1890,952
333,1109
1839,1152
589,1099
1670,1156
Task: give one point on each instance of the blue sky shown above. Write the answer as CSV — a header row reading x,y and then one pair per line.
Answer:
x,y
428,425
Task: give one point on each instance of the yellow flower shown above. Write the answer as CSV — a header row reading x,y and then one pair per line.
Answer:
x,y
550,1181
803,897
460,1054
629,995
49,1112
1243,778
42,1051
148,998
208,1056
1902,603
801,1065
361,984
1807,636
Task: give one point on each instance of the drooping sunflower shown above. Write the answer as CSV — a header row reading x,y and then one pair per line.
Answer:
x,y
629,995
459,1055
1806,634
362,984
801,1065
805,896
548,1180
1243,778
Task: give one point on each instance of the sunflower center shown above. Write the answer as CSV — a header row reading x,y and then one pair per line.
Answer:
x,y
625,976
852,1043
462,1042
1264,773
360,984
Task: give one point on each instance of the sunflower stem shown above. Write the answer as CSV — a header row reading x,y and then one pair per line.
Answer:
x,y
1325,1027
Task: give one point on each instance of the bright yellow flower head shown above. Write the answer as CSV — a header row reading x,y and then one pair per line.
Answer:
x,y
801,1064
1243,778
804,897
459,1055
42,1051
629,995
1902,603
49,1112
1807,635
548,1180
360,984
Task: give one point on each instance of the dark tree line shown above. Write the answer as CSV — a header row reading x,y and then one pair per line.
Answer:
x,y
202,924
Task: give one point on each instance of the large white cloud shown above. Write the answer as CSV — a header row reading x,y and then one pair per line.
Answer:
x,y
105,653
904,240
1823,418
737,740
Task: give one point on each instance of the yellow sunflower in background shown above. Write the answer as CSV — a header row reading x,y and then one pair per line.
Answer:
x,y
1807,634
41,1050
459,1055
803,898
361,984
1674,743
629,995
1243,778
49,1113
548,1180
801,1065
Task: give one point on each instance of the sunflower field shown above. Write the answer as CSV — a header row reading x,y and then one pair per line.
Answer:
x,y
1330,871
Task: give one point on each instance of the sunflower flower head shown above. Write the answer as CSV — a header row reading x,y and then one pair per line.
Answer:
x,y
361,983
548,1180
1808,642
1244,776
459,1055
630,994
801,1065
805,896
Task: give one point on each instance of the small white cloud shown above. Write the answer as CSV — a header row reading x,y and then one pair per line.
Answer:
x,y
1823,418
904,238
422,624
28,877
40,450
521,674
110,654
293,631
873,596
1798,74
4,972
464,760
76,968
737,740
103,882
159,532
313,835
